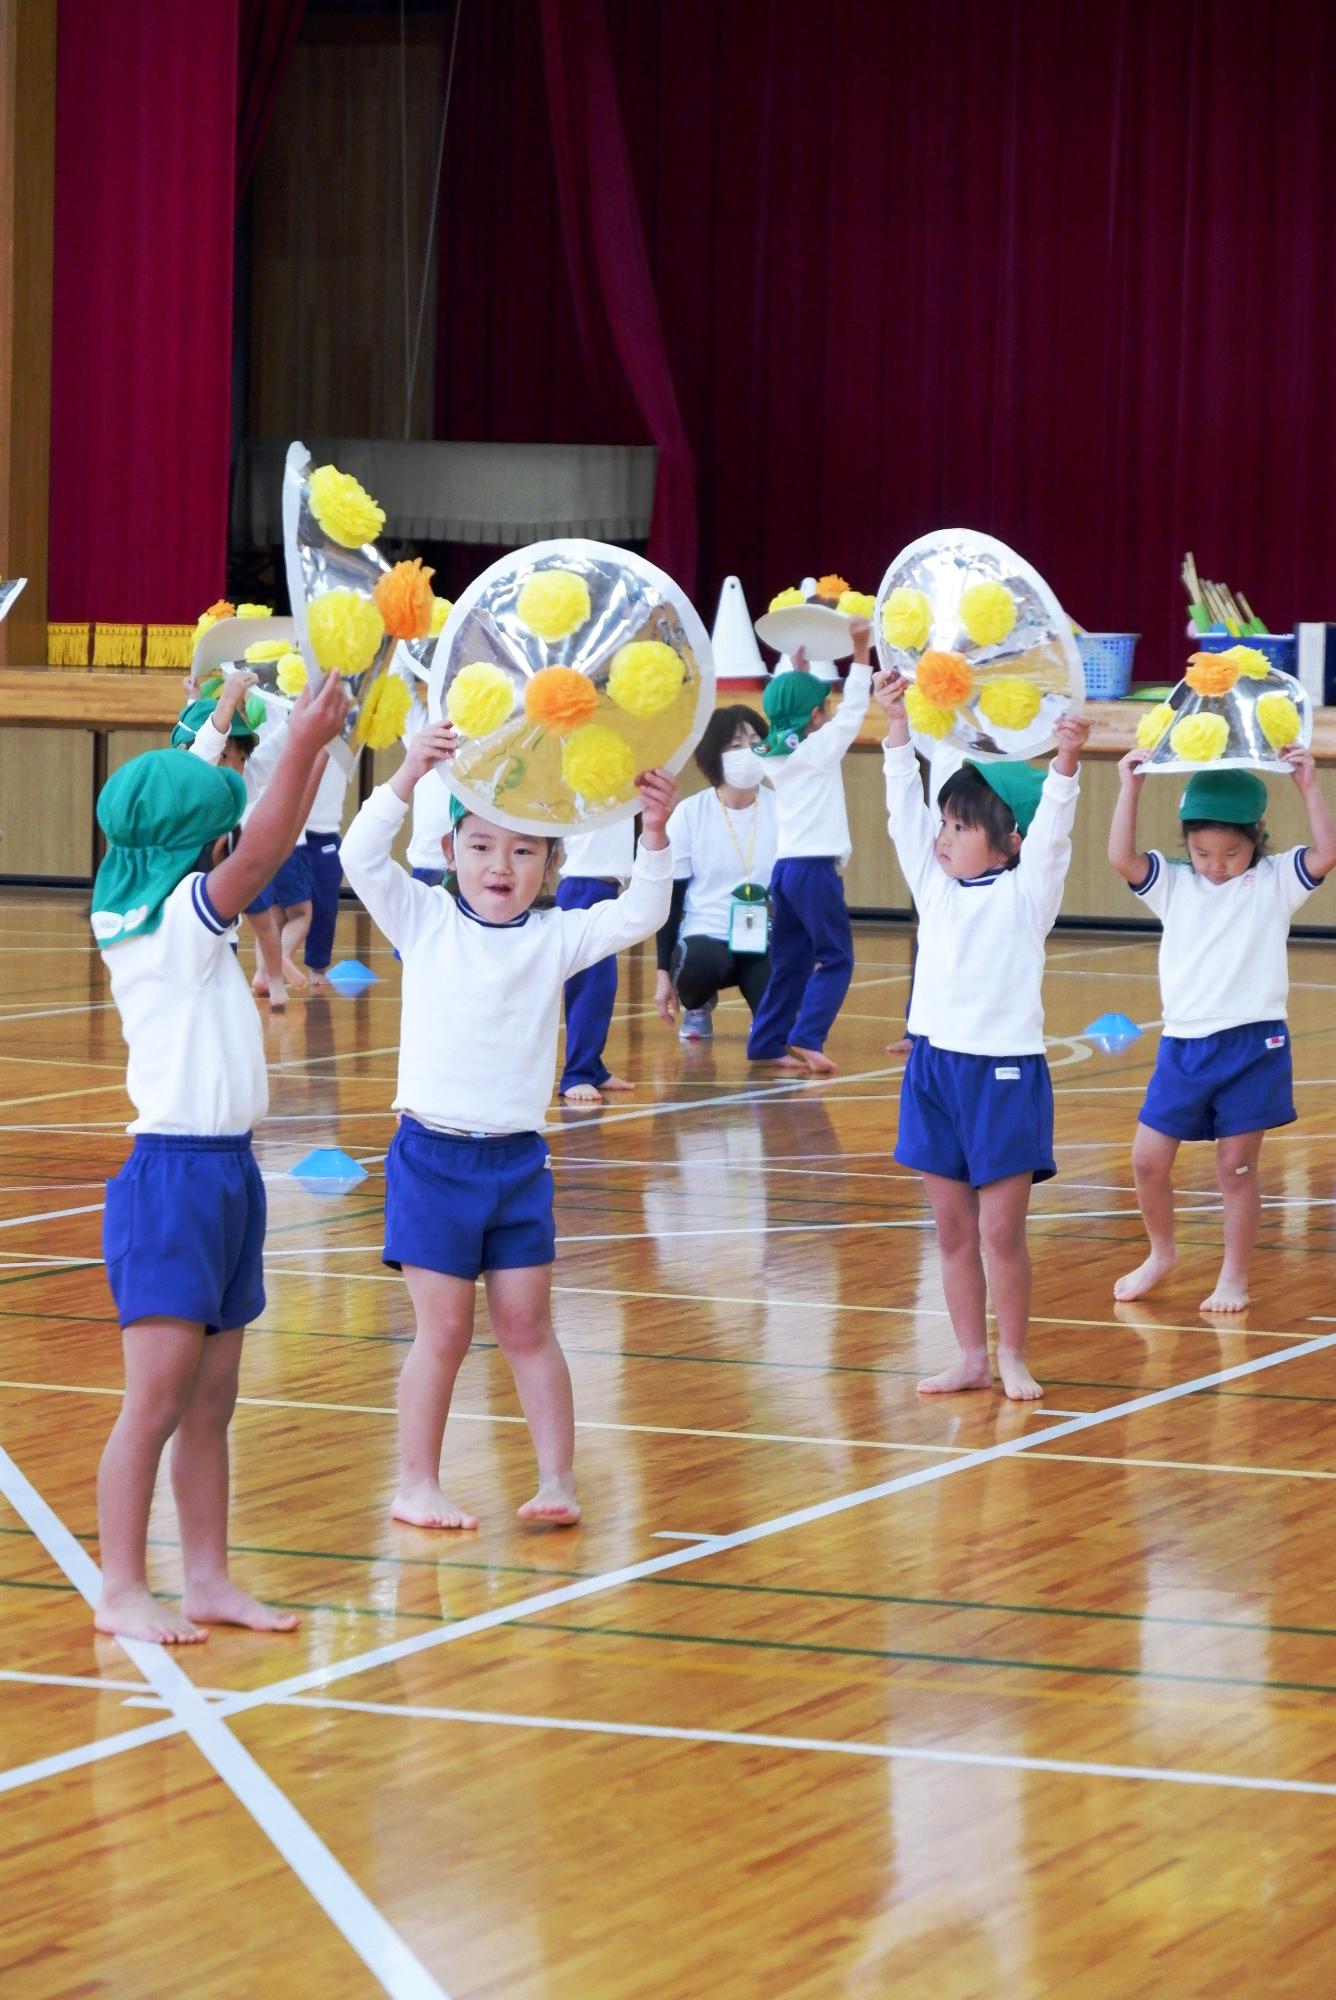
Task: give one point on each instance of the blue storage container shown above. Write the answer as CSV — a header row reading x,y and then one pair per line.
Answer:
x,y
1106,658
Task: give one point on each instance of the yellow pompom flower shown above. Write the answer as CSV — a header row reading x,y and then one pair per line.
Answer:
x,y
1278,719
924,717
1199,738
1010,704
481,698
384,713
1250,661
345,631
646,677
292,674
906,619
254,611
554,604
441,607
597,764
267,649
1211,673
856,604
344,508
1153,725
782,599
987,612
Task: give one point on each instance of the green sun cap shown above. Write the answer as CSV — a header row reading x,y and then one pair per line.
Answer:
x,y
247,720
789,701
158,812
1017,785
1237,798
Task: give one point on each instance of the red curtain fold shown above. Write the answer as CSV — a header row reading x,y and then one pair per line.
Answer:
x,y
266,33
142,308
616,312
1067,275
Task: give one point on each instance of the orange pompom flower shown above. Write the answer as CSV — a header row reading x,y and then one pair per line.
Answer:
x,y
560,699
404,599
944,679
222,609
1211,673
831,586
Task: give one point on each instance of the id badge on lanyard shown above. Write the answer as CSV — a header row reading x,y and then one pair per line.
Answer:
x,y
749,920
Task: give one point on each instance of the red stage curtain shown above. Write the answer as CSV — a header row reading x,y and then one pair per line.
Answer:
x,y
613,293
266,32
142,320
1066,274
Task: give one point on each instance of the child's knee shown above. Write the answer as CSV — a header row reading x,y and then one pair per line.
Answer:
x,y
155,1410
522,1336
1003,1239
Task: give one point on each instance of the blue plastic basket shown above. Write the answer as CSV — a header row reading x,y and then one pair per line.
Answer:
x,y
1279,647
1107,660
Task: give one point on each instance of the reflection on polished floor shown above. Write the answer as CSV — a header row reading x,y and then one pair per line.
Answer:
x,y
835,1693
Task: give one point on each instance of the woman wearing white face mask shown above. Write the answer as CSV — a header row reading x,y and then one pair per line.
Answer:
x,y
723,842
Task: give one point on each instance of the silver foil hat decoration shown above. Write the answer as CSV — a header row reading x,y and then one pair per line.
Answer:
x,y
1001,645
1232,711
10,586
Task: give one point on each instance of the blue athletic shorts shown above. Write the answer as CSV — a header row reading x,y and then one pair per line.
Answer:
x,y
975,1118
465,1205
291,885
183,1232
1215,1086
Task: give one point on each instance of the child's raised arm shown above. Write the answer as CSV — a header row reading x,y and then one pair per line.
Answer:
x,y
643,906
1320,855
1124,854
270,833
393,899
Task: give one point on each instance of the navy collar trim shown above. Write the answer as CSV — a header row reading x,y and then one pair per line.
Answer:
x,y
984,881
511,923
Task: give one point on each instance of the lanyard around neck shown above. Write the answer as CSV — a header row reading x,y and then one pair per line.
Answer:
x,y
746,861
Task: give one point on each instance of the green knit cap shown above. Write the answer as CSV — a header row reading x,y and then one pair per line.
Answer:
x,y
1017,785
1237,798
246,721
789,700
158,812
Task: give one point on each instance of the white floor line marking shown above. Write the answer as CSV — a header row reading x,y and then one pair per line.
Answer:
x,y
755,1094
93,1681
55,1766
352,1913
821,1510
52,1215
669,1535
47,1013
828,1746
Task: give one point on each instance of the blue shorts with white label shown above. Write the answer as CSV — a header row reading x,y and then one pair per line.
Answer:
x,y
463,1204
975,1118
183,1231
1216,1086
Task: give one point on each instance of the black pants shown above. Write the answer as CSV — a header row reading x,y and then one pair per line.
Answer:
x,y
702,965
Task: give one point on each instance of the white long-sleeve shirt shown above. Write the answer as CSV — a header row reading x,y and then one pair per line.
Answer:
x,y
808,783
1222,956
978,981
482,1002
258,769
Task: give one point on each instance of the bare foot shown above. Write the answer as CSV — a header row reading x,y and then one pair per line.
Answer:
x,y
294,976
900,1048
138,1615
815,1061
976,1374
1226,1298
425,1506
319,982
260,986
1017,1380
554,1504
223,1603
1137,1283
777,1062
616,1083
278,996
581,1093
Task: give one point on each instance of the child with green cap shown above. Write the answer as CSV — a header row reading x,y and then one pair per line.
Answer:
x,y
1223,1070
183,1228
976,1101
810,942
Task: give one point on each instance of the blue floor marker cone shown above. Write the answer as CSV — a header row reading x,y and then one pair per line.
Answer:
x,y
328,1171
1112,1032
351,976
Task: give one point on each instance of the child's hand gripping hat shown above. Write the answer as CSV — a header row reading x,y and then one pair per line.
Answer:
x,y
246,721
158,812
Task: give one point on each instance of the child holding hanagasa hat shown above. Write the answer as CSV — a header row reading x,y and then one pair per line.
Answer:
x,y
810,942
183,1228
1223,1070
468,1183
976,1102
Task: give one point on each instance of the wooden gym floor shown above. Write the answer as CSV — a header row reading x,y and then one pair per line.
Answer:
x,y
834,1693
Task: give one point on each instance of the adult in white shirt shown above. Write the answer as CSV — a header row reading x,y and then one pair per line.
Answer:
x,y
723,841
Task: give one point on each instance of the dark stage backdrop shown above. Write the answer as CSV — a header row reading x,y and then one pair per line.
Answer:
x,y
1064,273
